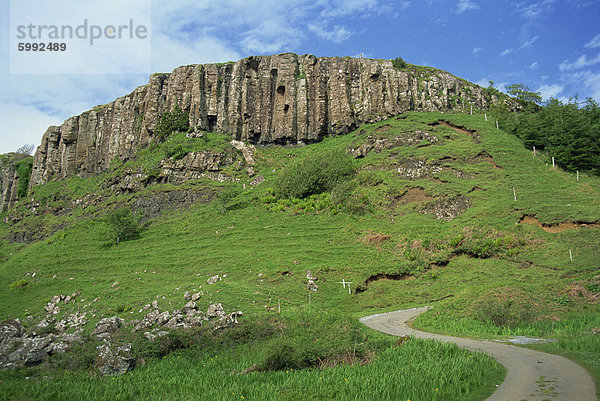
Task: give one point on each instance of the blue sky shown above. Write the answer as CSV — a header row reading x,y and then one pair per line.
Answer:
x,y
550,45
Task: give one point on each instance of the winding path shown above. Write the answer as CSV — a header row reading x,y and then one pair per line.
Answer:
x,y
531,375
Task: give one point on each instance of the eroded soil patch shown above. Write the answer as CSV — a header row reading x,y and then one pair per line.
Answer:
x,y
457,128
483,157
414,195
382,276
557,227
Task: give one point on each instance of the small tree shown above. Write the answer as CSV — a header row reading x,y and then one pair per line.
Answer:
x,y
524,95
172,121
26,149
313,174
399,63
123,225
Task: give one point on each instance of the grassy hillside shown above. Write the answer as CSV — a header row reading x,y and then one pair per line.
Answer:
x,y
489,264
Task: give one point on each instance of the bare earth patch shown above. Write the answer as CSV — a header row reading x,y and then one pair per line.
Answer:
x,y
557,227
457,128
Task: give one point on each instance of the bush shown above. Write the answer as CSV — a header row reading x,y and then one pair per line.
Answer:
x,y
18,284
399,63
313,174
505,307
123,225
23,168
176,152
341,192
172,121
315,340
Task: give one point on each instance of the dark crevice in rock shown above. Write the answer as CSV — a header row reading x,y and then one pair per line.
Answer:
x,y
382,276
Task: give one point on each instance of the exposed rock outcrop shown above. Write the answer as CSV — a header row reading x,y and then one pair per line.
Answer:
x,y
9,179
284,98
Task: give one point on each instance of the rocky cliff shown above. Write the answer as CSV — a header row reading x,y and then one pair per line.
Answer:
x,y
278,99
12,167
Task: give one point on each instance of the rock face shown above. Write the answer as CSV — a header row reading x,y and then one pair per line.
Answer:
x,y
9,180
279,99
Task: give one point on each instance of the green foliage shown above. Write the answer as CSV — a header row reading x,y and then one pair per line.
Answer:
x,y
524,95
23,168
399,63
505,308
17,284
172,121
177,152
313,174
568,132
122,225
341,192
225,197
301,74
312,339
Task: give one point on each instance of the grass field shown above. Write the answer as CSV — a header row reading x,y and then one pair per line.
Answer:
x,y
485,272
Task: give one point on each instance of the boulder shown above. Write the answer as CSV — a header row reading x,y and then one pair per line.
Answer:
x,y
215,310
109,325
115,360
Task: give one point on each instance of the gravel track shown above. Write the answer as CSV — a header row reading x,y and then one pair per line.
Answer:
x,y
531,375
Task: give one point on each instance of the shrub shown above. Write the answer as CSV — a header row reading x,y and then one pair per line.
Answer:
x,y
23,168
313,174
505,307
18,284
341,192
399,63
315,339
176,152
123,225
172,121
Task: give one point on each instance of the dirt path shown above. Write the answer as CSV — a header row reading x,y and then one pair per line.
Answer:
x,y
531,375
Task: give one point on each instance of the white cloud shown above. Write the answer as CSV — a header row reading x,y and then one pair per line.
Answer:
x,y
506,52
535,11
594,42
550,91
30,103
466,5
534,66
344,8
581,62
22,124
476,50
169,53
529,43
337,35
592,81
485,82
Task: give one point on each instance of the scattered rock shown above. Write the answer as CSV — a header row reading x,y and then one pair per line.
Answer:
x,y
115,360
448,209
259,179
378,144
227,321
417,168
109,325
213,279
215,310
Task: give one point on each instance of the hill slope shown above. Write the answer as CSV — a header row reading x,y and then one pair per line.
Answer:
x,y
428,217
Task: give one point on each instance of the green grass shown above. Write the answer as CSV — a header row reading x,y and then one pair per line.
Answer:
x,y
394,375
265,247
